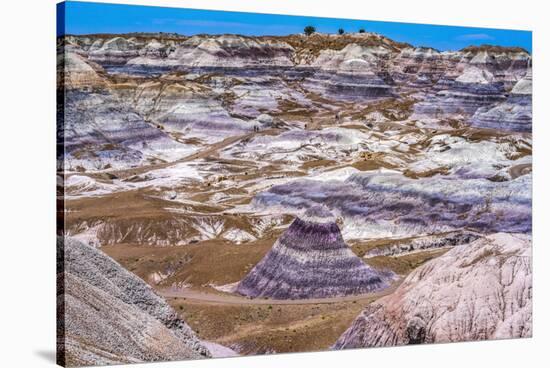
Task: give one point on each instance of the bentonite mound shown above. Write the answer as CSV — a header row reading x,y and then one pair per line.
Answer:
x,y
514,114
311,260
476,291
109,316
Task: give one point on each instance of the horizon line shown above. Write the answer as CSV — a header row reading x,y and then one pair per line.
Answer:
x,y
282,36
80,18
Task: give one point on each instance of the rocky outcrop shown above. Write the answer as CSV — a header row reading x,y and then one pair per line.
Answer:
x,y
100,132
422,243
226,51
377,205
311,260
75,72
462,95
352,72
475,78
156,49
116,51
508,64
102,127
110,316
514,114
204,115
476,291
419,67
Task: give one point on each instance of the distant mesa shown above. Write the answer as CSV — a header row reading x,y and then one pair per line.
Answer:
x,y
311,260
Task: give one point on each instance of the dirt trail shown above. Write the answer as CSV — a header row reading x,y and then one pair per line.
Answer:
x,y
211,298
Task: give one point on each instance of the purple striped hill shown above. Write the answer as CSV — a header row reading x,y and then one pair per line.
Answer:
x,y
311,260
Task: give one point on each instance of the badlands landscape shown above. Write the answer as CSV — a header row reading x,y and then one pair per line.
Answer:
x,y
223,195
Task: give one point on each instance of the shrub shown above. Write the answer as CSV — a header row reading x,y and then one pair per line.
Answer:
x,y
308,30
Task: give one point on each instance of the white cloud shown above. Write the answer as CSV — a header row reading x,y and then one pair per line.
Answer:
x,y
474,37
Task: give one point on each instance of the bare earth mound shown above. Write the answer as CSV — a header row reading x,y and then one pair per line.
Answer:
x,y
113,317
476,291
311,260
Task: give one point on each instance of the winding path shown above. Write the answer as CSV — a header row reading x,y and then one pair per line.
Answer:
x,y
213,298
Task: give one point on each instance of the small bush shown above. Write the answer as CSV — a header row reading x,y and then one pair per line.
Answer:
x,y
308,30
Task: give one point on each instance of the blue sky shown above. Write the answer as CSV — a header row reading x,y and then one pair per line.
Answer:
x,y
88,18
